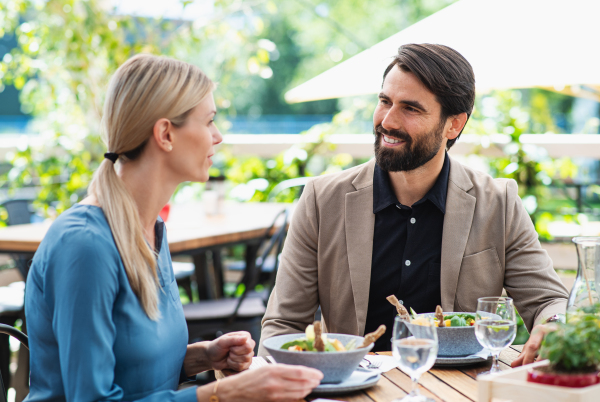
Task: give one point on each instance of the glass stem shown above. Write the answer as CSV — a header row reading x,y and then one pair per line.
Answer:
x,y
495,364
415,386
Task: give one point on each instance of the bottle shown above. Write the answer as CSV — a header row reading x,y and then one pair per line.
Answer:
x,y
584,298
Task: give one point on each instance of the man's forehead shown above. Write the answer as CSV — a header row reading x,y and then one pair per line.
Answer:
x,y
402,84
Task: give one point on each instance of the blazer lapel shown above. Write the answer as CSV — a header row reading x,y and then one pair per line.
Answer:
x,y
360,226
460,207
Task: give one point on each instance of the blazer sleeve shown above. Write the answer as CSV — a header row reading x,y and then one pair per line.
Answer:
x,y
295,299
530,278
80,290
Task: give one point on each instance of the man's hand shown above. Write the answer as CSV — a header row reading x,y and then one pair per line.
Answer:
x,y
231,351
530,350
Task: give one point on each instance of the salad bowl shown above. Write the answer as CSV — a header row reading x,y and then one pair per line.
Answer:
x,y
456,341
336,366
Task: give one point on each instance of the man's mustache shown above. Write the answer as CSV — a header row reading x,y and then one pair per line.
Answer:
x,y
401,135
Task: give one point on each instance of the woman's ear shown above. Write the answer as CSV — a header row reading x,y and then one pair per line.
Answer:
x,y
457,123
163,134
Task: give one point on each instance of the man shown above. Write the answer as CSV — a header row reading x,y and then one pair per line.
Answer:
x,y
413,222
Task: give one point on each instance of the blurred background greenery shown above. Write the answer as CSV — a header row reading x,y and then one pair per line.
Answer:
x,y
56,57
59,55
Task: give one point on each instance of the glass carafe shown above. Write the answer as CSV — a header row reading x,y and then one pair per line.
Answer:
x,y
584,294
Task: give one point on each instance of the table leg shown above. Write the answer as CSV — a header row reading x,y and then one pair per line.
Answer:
x,y
217,271
209,277
250,274
202,278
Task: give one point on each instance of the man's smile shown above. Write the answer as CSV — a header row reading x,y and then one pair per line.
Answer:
x,y
390,141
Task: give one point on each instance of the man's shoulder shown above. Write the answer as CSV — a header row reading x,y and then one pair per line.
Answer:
x,y
358,176
481,182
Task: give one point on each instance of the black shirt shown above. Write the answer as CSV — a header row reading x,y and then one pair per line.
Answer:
x,y
407,249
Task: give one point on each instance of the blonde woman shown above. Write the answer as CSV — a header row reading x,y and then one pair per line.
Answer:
x,y
102,306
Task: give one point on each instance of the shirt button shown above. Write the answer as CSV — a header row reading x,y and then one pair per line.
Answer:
x,y
412,220
407,263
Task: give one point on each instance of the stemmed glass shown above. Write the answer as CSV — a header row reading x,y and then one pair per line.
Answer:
x,y
495,326
415,348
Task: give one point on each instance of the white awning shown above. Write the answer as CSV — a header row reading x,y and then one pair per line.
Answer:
x,y
510,44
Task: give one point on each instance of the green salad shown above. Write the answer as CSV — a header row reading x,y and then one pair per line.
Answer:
x,y
307,343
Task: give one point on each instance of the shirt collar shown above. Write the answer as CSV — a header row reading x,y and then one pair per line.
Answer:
x,y
383,195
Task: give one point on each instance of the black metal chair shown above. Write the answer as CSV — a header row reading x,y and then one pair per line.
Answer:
x,y
208,319
19,213
11,331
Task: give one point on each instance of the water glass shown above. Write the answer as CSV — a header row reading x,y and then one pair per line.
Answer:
x,y
415,348
495,326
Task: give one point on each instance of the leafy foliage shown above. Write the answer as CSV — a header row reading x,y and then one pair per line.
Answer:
x,y
255,50
575,346
512,113
67,51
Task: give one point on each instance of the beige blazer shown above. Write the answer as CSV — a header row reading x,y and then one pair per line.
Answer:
x,y
489,243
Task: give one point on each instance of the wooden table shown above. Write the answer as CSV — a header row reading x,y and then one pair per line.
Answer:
x,y
442,384
189,230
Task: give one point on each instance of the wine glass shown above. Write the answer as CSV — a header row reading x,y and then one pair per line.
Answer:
x,y
495,326
415,348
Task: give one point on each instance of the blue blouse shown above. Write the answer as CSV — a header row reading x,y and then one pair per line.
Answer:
x,y
89,337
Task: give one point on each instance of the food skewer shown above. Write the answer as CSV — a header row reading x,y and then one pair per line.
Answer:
x,y
318,345
373,336
439,314
402,311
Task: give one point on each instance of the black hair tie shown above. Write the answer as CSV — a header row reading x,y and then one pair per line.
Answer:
x,y
111,156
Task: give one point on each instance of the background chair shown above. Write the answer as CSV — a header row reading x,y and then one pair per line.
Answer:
x,y
209,319
19,213
11,331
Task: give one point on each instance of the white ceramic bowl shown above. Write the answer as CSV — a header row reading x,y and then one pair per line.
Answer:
x,y
335,366
456,341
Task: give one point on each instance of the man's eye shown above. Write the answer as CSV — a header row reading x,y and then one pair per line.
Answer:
x,y
411,109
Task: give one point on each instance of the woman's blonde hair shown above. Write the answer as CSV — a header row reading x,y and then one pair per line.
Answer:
x,y
143,90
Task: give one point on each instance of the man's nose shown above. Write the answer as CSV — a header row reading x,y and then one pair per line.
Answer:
x,y
392,120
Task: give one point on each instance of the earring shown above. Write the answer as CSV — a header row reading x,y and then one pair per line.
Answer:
x,y
169,147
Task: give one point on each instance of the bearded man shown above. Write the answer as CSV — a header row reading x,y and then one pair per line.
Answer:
x,y
413,222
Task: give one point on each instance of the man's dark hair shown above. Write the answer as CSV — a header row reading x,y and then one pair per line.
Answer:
x,y
445,72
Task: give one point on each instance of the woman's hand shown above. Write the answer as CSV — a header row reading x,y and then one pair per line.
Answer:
x,y
272,383
231,351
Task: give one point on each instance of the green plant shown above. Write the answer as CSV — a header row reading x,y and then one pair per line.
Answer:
x,y
575,346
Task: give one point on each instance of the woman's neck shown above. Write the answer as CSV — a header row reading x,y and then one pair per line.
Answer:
x,y
150,190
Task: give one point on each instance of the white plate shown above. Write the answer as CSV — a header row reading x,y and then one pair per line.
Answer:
x,y
460,361
349,385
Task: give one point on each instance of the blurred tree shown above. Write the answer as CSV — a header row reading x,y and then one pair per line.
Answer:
x,y
67,51
255,50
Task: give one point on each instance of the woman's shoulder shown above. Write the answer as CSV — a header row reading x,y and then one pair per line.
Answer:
x,y
80,223
82,230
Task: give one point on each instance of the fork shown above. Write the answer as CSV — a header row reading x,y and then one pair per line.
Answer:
x,y
372,365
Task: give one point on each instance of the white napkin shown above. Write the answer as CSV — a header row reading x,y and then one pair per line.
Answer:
x,y
483,353
357,377
324,400
387,363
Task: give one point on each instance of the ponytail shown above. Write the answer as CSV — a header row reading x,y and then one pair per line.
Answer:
x,y
142,91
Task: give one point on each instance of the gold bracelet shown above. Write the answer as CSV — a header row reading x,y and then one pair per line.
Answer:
x,y
214,397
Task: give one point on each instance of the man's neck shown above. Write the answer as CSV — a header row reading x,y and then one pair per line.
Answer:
x,y
411,186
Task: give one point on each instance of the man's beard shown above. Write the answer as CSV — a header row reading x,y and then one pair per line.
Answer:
x,y
412,155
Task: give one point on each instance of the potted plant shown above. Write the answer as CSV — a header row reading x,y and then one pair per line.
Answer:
x,y
573,352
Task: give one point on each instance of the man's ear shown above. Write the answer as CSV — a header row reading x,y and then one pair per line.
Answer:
x,y
162,133
457,123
